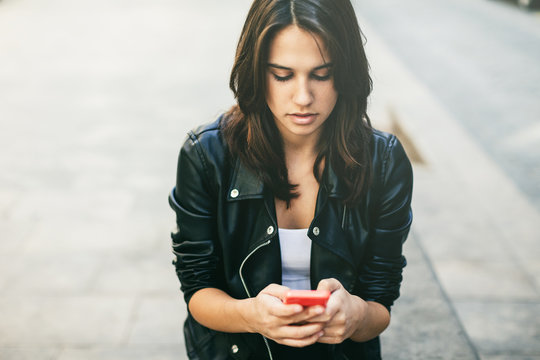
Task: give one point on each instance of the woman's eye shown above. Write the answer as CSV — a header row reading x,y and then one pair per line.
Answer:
x,y
321,77
282,78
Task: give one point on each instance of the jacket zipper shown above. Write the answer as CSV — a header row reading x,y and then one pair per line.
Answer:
x,y
246,288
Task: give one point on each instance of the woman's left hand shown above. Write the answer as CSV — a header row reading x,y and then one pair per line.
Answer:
x,y
344,313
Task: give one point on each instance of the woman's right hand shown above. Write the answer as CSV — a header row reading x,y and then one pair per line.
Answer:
x,y
285,324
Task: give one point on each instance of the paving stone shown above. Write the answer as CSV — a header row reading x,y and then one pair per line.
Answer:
x,y
438,334
63,320
417,277
7,200
522,233
466,210
510,357
457,242
29,353
159,320
35,274
502,327
139,273
6,266
61,236
146,352
15,234
473,238
533,268
104,205
485,280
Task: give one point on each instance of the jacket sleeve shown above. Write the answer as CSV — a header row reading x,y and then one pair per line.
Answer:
x,y
194,241
381,273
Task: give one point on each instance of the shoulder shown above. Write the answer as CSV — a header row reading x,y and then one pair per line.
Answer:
x,y
205,151
205,142
382,142
207,135
388,155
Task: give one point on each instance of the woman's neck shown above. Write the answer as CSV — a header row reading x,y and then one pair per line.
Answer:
x,y
302,148
298,158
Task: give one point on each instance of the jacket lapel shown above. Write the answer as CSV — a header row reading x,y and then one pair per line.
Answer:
x,y
261,261
331,253
244,184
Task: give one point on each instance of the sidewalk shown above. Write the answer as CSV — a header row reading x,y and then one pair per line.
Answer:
x,y
94,103
477,230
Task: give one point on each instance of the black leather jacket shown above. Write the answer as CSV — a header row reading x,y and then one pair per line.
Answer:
x,y
227,237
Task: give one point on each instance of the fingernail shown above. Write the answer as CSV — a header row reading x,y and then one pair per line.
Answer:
x,y
319,310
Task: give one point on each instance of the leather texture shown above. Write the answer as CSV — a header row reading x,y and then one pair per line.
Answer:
x,y
227,237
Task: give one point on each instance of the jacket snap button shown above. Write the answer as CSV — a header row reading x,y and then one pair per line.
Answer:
x,y
234,349
234,193
316,231
270,230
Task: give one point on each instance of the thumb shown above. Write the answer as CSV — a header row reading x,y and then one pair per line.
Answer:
x,y
329,285
276,290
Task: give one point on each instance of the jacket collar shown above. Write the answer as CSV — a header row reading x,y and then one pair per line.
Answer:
x,y
246,185
329,250
334,187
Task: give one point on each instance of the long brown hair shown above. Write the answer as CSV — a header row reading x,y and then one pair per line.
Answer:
x,y
249,128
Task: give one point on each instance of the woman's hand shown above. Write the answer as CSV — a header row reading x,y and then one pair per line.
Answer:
x,y
289,325
344,315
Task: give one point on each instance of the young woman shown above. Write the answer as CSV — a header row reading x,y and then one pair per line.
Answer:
x,y
292,188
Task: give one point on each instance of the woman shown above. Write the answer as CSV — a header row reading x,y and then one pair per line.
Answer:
x,y
292,188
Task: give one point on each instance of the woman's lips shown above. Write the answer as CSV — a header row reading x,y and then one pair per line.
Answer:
x,y
303,118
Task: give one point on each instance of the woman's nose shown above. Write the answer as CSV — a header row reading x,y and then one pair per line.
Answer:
x,y
303,95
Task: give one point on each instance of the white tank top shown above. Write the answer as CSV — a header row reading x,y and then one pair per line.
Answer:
x,y
295,258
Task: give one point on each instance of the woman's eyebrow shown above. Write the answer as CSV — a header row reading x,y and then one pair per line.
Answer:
x,y
324,66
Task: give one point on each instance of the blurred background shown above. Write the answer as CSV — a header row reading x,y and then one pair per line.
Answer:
x,y
96,98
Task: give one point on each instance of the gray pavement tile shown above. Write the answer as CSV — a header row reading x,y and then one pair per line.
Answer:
x,y
423,325
6,264
139,273
80,235
417,277
29,353
63,320
138,352
497,222
466,210
159,320
15,234
473,237
7,198
56,274
502,327
485,280
510,357
522,234
533,267
107,205
424,328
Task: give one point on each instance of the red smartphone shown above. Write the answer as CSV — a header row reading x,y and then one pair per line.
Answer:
x,y
307,297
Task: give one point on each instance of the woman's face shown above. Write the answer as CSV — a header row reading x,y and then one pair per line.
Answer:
x,y
300,87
